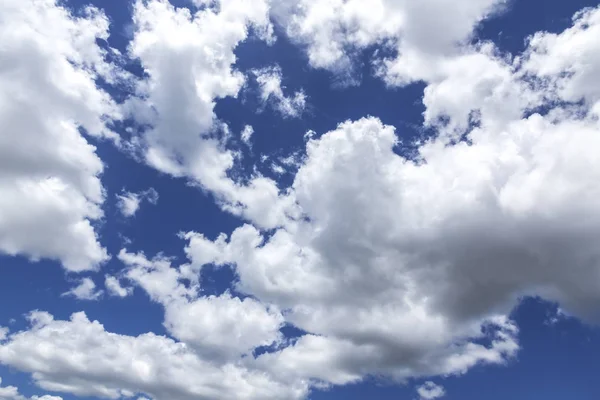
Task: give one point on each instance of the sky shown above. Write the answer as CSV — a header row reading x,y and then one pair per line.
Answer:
x,y
312,199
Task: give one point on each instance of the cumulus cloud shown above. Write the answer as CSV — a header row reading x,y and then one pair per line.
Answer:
x,y
430,391
356,276
49,172
221,327
129,202
269,81
419,33
85,290
119,366
399,263
114,288
189,59
12,393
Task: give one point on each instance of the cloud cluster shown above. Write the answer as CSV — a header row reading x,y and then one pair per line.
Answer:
x,y
417,34
189,56
397,263
386,265
49,172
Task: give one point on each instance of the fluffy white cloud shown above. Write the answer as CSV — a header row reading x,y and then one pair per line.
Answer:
x,y
359,271
569,61
129,202
269,81
49,173
430,391
80,357
188,58
334,31
398,263
224,326
394,266
114,288
421,253
12,393
85,290
219,327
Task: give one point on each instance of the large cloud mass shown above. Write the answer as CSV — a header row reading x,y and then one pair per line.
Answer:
x,y
385,264
49,173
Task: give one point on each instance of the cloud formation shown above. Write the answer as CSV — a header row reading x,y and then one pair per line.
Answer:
x,y
430,391
114,287
49,172
59,355
129,202
420,34
12,393
189,57
269,81
386,264
85,290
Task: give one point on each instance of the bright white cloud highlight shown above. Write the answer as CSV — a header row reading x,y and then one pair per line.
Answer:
x,y
421,33
569,60
129,202
269,81
85,290
220,327
430,391
49,172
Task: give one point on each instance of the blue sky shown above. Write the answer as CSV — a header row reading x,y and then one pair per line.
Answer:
x,y
412,217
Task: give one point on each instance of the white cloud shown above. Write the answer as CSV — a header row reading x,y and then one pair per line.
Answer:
x,y
278,169
246,134
220,327
339,279
570,61
334,31
189,60
129,202
114,288
3,333
85,290
12,393
269,80
430,391
116,366
396,267
399,262
49,173
223,326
